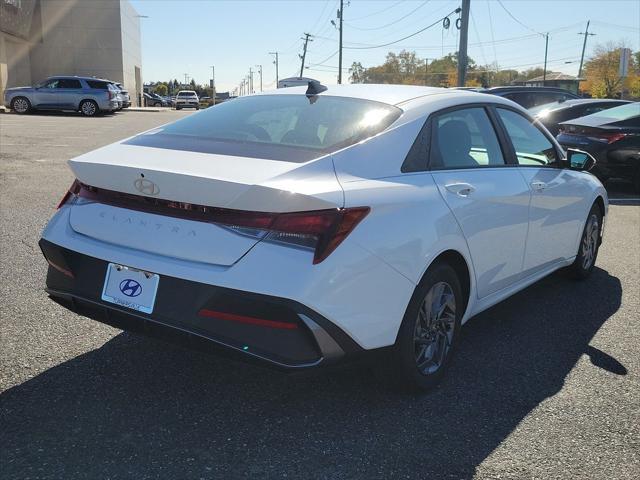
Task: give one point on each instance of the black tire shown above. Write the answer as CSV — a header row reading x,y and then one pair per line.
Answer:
x,y
198,107
89,108
157,104
589,245
636,180
21,105
178,108
408,372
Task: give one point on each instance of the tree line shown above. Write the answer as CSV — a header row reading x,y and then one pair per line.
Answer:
x,y
600,72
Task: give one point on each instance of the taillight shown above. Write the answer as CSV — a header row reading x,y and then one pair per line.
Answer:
x,y
608,137
319,230
74,189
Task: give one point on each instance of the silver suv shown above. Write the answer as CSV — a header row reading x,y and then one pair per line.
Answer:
x,y
90,96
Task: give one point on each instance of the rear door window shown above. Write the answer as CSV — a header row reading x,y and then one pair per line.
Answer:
x,y
464,138
69,83
98,84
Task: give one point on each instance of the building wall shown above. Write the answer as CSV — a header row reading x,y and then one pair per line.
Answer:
x,y
98,38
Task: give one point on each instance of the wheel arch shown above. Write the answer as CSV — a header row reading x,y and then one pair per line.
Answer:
x,y
459,263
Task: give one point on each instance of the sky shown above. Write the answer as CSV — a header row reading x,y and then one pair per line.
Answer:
x,y
189,37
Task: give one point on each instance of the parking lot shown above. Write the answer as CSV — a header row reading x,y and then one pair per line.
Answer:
x,y
545,384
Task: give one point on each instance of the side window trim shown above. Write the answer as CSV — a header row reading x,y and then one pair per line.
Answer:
x,y
559,153
417,160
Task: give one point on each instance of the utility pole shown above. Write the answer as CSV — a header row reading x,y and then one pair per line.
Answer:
x,y
213,84
250,80
304,52
186,75
260,73
464,37
340,15
546,49
276,64
584,46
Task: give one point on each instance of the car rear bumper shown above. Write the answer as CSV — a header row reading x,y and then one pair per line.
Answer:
x,y
279,331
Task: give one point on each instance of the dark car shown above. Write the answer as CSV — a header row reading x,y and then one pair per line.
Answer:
x,y
612,136
155,100
551,114
529,97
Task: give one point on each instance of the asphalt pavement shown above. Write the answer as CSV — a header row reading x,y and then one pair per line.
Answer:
x,y
545,385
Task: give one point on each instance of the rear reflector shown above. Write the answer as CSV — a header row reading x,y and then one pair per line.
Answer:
x,y
319,230
205,312
62,270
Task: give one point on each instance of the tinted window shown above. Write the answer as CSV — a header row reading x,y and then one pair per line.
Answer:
x,y
281,127
464,138
531,145
69,83
98,84
186,94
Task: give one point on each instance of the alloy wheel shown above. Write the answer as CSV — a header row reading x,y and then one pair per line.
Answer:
x,y
434,328
20,105
590,242
88,109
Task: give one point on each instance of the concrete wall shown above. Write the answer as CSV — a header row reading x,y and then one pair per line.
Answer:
x,y
98,38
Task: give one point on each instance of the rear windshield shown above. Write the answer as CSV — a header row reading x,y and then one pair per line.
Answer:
x,y
291,128
186,94
622,112
98,84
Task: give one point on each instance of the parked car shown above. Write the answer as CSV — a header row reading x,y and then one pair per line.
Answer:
x,y
187,99
311,225
88,95
529,97
124,94
551,114
611,136
154,100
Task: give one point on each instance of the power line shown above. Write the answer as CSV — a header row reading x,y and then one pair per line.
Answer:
x,y
408,36
391,23
378,12
516,20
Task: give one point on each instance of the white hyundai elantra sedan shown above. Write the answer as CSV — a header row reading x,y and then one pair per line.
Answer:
x,y
310,225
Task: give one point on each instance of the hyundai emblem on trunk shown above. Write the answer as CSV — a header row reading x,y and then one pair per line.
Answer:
x,y
146,187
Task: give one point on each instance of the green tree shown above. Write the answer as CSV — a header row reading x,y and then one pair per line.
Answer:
x,y
161,89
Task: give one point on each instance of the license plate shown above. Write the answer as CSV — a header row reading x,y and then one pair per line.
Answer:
x,y
130,288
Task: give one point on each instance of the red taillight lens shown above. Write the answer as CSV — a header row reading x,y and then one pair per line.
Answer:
x,y
74,189
608,137
322,230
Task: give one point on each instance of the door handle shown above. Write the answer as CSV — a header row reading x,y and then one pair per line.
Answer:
x,y
538,185
460,189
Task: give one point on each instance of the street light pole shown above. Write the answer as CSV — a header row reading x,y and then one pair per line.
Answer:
x,y
340,46
546,49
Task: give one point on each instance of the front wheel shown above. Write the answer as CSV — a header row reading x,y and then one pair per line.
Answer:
x,y
89,108
20,105
429,331
589,245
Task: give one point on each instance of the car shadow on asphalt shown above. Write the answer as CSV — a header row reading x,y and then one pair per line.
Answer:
x,y
139,408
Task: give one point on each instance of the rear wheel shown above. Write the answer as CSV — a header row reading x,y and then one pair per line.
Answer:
x,y
20,105
89,108
429,331
636,180
178,108
589,245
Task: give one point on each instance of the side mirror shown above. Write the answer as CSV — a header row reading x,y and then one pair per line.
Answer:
x,y
579,160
